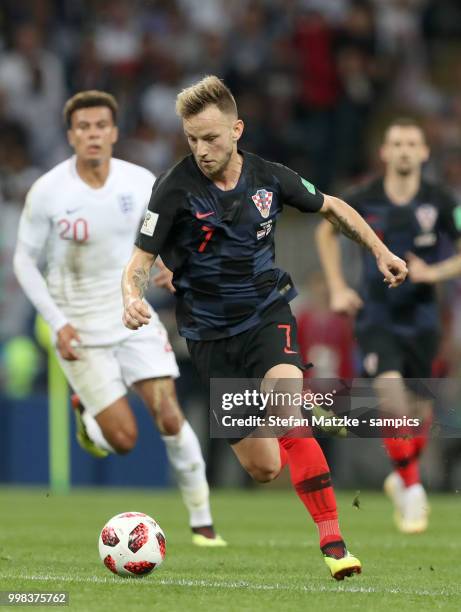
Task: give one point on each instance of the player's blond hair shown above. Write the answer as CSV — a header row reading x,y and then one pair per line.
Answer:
x,y
88,99
210,90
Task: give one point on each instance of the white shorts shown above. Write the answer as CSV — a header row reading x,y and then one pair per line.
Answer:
x,y
103,374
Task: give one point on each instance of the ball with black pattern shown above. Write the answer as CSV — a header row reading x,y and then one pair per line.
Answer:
x,y
132,544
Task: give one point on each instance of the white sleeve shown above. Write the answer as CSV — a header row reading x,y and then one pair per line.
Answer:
x,y
34,285
33,233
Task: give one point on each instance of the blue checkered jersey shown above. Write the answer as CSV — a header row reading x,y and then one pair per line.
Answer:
x,y
425,226
220,244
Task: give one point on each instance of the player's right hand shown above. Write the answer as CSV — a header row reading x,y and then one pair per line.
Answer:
x,y
136,314
346,301
67,341
392,268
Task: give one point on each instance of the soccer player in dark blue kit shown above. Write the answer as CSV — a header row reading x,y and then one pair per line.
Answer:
x,y
212,218
398,330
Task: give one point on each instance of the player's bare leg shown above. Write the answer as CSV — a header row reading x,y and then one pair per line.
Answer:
x,y
118,425
159,395
391,391
184,454
403,485
113,430
264,459
260,457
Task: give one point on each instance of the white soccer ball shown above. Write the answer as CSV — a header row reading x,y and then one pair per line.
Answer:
x,y
132,544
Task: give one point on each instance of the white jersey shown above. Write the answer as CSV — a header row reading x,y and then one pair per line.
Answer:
x,y
89,235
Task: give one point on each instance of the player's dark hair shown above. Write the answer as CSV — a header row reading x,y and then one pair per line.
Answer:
x,y
403,122
89,99
210,90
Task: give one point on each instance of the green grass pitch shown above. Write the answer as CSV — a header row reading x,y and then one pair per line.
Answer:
x,y
49,542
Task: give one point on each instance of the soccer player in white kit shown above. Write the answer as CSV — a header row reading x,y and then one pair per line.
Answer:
x,y
86,212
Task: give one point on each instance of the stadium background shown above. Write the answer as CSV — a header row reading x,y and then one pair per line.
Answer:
x,y
315,81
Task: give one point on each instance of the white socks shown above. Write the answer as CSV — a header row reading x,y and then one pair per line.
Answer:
x,y
95,432
185,456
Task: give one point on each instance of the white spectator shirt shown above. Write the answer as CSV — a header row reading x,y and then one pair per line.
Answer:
x,y
88,236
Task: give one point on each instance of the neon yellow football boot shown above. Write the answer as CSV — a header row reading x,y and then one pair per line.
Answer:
x,y
342,566
206,537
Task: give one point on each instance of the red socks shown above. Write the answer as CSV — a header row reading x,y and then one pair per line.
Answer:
x,y
311,479
404,453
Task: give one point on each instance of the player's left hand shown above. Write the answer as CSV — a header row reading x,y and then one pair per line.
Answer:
x,y
392,267
419,271
164,278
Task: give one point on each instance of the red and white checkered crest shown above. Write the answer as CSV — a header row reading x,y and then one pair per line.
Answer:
x,y
263,201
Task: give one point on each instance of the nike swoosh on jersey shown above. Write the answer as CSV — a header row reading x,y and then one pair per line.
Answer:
x,y
70,211
204,215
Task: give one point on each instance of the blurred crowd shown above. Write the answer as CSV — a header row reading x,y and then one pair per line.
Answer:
x,y
315,81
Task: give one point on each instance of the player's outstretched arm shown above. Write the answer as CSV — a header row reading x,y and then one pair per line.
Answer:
x,y
34,286
135,281
351,224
